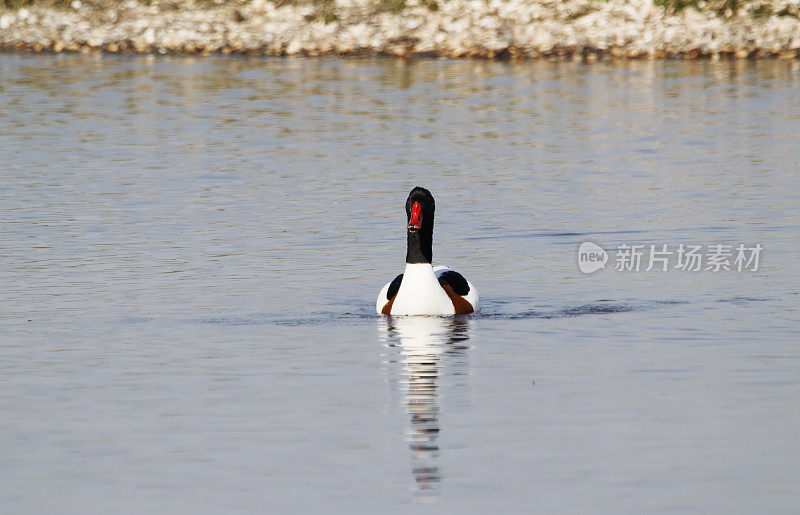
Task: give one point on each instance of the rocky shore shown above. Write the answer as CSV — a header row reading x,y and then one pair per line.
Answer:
x,y
581,29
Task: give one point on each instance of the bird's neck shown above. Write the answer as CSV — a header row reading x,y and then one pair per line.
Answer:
x,y
420,247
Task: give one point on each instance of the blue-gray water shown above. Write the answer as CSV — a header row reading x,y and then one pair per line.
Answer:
x,y
190,251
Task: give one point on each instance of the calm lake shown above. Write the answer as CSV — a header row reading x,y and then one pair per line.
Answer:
x,y
191,249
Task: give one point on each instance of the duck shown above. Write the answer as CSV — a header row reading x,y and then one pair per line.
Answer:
x,y
424,289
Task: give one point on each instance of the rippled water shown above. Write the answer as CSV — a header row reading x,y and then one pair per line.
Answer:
x,y
191,250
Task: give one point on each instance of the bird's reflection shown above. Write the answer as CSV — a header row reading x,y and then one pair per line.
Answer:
x,y
421,350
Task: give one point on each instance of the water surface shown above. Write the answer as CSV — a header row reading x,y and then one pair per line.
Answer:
x,y
191,250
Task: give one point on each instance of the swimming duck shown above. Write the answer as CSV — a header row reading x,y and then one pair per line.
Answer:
x,y
424,289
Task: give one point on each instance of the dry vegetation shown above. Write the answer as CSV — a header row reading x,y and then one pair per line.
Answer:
x,y
327,10
589,29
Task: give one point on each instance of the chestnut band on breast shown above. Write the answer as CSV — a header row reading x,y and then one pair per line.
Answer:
x,y
387,309
461,305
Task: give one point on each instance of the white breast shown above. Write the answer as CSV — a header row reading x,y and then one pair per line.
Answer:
x,y
421,294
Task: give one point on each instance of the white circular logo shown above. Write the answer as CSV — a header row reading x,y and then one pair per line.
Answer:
x,y
591,257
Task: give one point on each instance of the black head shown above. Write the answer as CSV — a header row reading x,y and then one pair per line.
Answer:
x,y
420,208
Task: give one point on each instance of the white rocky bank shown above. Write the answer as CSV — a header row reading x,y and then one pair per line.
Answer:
x,y
587,29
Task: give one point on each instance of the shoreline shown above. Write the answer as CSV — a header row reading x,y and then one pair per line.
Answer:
x,y
587,30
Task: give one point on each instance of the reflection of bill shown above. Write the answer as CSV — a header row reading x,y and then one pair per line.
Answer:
x,y
422,343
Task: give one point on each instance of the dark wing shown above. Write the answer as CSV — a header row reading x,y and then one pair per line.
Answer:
x,y
394,287
391,293
455,280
